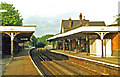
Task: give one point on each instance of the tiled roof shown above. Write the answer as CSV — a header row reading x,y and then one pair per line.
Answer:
x,y
96,23
76,23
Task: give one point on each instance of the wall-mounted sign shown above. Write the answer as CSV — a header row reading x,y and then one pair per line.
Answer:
x,y
11,29
23,38
102,29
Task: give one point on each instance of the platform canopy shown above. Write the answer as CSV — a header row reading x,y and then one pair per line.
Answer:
x,y
20,33
87,29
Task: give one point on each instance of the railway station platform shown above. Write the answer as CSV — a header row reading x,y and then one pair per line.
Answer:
x,y
113,60
21,65
4,62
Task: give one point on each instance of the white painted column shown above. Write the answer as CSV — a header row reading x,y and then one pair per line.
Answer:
x,y
102,34
12,38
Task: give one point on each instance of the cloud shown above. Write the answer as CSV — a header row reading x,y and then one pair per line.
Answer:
x,y
44,25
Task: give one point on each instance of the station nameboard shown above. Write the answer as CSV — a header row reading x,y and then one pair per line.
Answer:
x,y
23,38
12,29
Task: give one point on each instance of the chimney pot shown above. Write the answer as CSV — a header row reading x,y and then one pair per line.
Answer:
x,y
80,13
84,19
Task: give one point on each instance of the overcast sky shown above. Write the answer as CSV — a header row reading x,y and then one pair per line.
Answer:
x,y
47,15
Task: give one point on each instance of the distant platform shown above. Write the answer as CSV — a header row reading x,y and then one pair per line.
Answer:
x,y
112,61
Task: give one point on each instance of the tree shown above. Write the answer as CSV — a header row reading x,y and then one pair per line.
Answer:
x,y
40,41
118,19
34,40
39,45
11,17
44,38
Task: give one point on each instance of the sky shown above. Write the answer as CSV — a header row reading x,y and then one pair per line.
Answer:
x,y
47,15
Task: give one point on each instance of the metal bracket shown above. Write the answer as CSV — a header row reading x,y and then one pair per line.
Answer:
x,y
101,34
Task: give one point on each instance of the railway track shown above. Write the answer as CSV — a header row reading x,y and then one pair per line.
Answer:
x,y
38,63
59,65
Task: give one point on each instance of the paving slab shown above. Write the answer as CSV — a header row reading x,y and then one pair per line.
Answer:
x,y
21,65
112,60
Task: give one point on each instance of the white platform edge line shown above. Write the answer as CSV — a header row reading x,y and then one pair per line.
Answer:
x,y
34,63
92,60
96,61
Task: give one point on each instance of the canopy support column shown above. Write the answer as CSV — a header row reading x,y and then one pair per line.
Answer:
x,y
69,44
12,38
102,34
76,45
12,35
87,42
53,46
63,45
57,45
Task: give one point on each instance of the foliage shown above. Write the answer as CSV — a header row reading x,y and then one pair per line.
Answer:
x,y
40,41
118,19
33,39
11,17
39,45
27,43
44,38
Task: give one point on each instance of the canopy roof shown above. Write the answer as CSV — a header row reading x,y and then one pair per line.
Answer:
x,y
87,29
23,33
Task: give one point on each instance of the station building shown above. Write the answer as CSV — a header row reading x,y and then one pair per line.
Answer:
x,y
93,37
12,39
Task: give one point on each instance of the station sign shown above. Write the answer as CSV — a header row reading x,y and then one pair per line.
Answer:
x,y
23,38
12,29
102,28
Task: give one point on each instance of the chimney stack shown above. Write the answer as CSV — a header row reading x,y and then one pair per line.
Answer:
x,y
84,19
80,16
70,22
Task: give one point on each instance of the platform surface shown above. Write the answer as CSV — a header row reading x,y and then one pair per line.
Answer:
x,y
111,60
21,65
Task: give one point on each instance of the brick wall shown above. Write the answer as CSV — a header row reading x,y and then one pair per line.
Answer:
x,y
116,42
